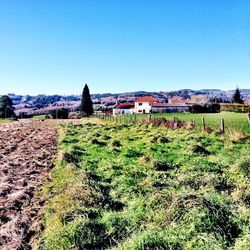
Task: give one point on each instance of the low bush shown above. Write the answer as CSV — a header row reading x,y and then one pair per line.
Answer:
x,y
205,108
60,114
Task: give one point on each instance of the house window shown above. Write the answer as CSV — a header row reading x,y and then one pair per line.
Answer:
x,y
140,103
139,111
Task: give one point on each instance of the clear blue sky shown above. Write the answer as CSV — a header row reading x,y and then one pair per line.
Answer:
x,y
54,47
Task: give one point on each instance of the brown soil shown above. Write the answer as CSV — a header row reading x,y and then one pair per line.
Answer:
x,y
27,149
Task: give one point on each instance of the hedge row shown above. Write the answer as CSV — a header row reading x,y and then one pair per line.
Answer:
x,y
234,107
205,108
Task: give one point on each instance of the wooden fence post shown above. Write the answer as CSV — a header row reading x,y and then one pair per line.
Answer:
x,y
248,117
203,125
222,125
150,116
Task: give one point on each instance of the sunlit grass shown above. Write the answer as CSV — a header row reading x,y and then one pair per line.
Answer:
x,y
137,187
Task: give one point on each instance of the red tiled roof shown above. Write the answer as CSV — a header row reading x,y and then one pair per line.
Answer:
x,y
124,106
146,99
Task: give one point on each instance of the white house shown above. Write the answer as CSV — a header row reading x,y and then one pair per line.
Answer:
x,y
143,105
123,109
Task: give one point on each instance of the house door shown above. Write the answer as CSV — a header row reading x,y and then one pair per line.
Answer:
x,y
144,111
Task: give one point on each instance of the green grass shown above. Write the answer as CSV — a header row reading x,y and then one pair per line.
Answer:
x,y
237,121
2,120
138,187
39,117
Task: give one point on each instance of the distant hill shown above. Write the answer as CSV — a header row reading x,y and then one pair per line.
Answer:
x,y
43,103
185,93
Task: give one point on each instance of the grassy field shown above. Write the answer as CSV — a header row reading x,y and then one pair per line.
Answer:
x,y
232,120
39,117
137,187
4,120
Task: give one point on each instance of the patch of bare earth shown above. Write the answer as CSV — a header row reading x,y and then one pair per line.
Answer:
x,y
27,149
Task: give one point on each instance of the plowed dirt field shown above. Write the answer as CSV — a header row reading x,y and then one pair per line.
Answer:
x,y
27,149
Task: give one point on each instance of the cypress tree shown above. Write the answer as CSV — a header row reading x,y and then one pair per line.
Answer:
x,y
237,98
86,107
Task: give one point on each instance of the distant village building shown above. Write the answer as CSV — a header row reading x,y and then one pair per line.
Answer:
x,y
123,109
170,108
174,108
200,99
158,107
178,100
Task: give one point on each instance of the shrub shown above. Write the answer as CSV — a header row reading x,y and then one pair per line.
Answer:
x,y
60,114
22,115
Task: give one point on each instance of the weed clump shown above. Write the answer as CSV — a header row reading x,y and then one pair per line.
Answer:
x,y
163,139
132,153
69,158
159,138
116,143
97,142
200,150
162,166
245,166
94,235
70,140
106,137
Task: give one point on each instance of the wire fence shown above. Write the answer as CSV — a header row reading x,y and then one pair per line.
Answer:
x,y
137,119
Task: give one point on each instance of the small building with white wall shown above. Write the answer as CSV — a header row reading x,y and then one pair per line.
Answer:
x,y
143,105
124,109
